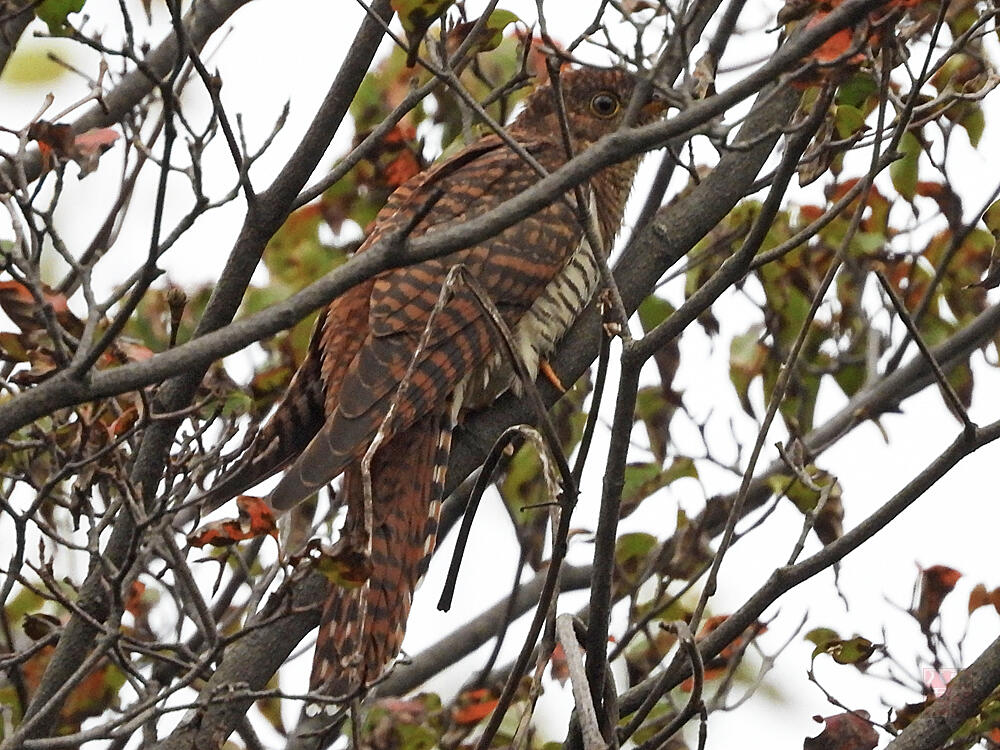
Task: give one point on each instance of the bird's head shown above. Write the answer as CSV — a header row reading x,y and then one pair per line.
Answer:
x,y
595,101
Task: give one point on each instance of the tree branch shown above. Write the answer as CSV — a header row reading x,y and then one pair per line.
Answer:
x,y
264,217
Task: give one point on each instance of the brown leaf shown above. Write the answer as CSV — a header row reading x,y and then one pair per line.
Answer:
x,y
980,597
905,715
55,141
847,731
936,582
793,10
559,667
14,347
637,6
39,624
58,142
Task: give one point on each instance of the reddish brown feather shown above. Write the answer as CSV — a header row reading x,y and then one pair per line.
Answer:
x,y
512,271
367,342
362,629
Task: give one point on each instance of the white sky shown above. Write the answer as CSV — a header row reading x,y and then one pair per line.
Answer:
x,y
277,51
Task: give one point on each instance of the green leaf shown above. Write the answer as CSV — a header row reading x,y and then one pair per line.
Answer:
x,y
974,123
848,120
236,403
746,361
631,553
991,218
904,171
419,14
498,21
643,479
821,637
416,16
54,13
655,410
856,90
653,311
31,65
853,651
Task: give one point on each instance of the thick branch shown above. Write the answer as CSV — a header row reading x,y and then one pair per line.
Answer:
x,y
67,389
961,701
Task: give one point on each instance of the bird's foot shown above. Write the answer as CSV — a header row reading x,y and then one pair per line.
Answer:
x,y
546,369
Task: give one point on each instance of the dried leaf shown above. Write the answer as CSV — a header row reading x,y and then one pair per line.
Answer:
x,y
58,142
847,731
256,519
936,582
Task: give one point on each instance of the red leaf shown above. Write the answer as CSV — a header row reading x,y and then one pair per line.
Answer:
x,y
402,168
258,513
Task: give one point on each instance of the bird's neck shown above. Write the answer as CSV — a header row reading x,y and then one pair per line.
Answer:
x,y
611,188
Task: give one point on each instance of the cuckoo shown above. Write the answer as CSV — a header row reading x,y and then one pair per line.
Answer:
x,y
393,357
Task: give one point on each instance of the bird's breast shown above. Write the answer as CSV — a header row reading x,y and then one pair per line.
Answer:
x,y
538,331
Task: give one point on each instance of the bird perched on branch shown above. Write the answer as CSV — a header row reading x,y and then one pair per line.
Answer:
x,y
394,361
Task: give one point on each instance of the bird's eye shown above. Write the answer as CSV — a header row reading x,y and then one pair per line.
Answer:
x,y
605,104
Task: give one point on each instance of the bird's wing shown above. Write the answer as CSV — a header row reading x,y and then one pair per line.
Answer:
x,y
513,268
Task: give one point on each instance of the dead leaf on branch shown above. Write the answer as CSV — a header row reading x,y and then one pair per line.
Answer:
x,y
847,731
255,519
58,143
936,582
20,305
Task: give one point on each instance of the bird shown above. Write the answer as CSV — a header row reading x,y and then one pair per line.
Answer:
x,y
394,363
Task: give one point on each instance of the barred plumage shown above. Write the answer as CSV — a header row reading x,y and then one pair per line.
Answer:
x,y
391,330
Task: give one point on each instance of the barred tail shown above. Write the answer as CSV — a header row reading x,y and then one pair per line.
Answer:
x,y
361,630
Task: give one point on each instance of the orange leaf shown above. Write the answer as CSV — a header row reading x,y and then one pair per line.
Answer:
x,y
124,422
133,602
256,519
719,665
402,168
559,669
473,706
258,514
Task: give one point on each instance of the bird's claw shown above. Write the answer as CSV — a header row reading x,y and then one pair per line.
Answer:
x,y
546,369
